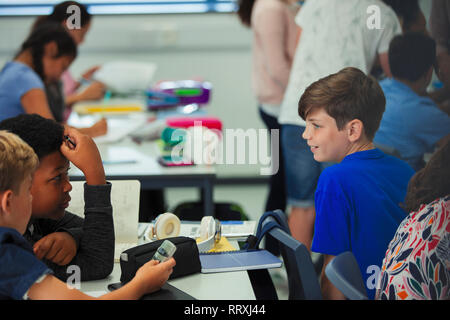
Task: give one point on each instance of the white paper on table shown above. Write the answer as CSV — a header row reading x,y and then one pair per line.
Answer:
x,y
126,76
119,128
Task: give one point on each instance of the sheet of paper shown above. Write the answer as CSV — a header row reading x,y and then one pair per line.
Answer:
x,y
125,203
126,76
119,128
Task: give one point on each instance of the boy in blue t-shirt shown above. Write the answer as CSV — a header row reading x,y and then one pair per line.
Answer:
x,y
412,124
357,200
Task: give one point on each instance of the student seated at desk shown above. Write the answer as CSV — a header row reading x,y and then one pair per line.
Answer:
x,y
357,199
59,237
22,275
43,57
412,122
62,94
417,261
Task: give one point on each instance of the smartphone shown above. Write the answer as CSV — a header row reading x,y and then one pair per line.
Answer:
x,y
169,161
165,251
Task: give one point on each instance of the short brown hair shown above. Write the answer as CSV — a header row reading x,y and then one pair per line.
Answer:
x,y
17,160
346,95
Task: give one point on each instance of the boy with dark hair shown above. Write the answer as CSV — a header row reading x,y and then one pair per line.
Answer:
x,y
22,275
412,123
357,199
58,237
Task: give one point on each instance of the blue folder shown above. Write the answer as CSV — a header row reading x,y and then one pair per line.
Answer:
x,y
238,260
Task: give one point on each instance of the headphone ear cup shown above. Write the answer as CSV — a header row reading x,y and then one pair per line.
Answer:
x,y
207,227
167,225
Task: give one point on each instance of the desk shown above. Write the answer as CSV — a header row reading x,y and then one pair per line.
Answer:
x,y
145,168
211,286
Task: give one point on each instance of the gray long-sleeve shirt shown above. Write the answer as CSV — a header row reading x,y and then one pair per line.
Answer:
x,y
94,235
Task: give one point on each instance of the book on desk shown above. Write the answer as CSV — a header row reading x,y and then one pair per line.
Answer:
x,y
213,262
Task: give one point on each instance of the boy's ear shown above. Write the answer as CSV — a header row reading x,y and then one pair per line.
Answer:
x,y
51,49
5,201
355,130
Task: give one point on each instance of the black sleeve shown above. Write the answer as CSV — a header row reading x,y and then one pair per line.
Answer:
x,y
94,236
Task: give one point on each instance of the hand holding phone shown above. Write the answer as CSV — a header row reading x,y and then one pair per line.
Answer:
x,y
165,251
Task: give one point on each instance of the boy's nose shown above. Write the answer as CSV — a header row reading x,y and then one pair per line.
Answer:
x,y
67,186
305,134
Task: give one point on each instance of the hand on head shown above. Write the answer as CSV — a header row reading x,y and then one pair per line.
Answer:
x,y
84,154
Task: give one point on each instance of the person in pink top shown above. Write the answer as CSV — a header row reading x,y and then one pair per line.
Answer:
x,y
275,36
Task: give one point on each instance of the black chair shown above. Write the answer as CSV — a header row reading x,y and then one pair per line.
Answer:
x,y
343,272
303,282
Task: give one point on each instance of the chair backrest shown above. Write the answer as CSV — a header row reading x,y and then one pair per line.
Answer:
x,y
343,271
303,281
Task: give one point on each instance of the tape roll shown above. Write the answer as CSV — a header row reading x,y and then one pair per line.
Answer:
x,y
167,225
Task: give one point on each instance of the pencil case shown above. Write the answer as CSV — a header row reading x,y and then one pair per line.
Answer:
x,y
186,257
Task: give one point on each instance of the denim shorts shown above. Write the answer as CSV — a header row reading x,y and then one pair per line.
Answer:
x,y
302,171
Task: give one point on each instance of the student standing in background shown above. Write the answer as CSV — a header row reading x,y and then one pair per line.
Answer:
x,y
275,36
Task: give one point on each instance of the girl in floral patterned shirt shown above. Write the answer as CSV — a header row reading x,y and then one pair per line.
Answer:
x,y
417,262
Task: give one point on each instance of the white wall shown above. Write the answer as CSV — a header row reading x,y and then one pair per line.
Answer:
x,y
215,47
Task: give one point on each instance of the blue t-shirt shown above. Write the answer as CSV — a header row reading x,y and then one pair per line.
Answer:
x,y
411,124
19,267
16,79
357,208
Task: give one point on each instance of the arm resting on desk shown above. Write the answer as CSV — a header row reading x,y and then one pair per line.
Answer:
x,y
94,236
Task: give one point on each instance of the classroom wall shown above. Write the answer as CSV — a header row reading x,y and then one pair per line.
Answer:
x,y
215,47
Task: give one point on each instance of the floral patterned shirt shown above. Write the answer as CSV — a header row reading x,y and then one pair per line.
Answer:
x,y
417,262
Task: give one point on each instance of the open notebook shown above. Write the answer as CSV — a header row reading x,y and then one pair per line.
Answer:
x,y
125,203
213,262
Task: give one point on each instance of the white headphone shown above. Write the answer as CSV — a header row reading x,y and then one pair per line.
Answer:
x,y
167,225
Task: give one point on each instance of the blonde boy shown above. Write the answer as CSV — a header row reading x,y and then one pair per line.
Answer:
x,y
22,275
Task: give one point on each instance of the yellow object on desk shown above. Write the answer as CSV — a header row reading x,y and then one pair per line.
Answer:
x,y
92,109
223,246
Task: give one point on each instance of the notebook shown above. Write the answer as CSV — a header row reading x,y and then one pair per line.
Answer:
x,y
213,262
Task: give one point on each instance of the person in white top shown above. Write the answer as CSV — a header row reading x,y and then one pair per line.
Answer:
x,y
275,36
334,35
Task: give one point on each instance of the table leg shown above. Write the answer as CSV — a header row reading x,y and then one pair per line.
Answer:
x,y
207,198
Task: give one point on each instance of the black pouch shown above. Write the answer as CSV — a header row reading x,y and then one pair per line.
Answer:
x,y
186,257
